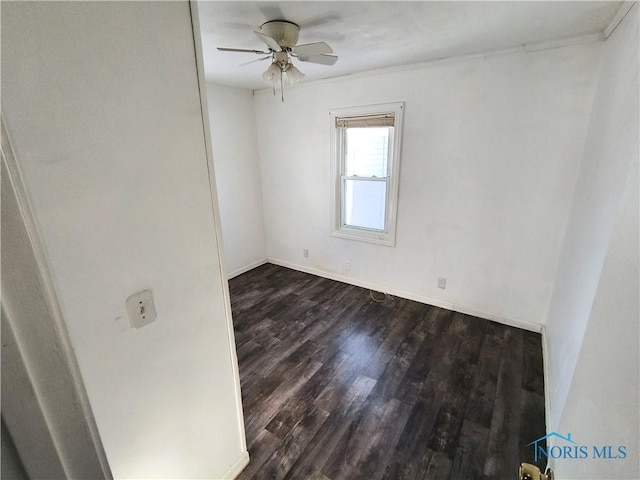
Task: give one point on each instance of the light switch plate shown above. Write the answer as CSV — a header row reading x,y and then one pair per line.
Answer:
x,y
140,309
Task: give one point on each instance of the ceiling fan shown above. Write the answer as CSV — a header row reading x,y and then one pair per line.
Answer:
x,y
281,37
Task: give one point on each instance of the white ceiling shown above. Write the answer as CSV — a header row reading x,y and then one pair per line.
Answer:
x,y
372,35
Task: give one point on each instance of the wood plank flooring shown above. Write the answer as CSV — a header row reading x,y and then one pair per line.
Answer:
x,y
337,386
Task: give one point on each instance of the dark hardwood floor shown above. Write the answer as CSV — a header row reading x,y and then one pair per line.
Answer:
x,y
337,386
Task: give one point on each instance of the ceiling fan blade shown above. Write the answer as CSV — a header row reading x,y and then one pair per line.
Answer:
x,y
309,49
254,61
319,20
321,59
271,42
243,50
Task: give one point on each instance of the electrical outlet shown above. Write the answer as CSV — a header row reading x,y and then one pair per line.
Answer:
x,y
141,309
442,282
347,266
305,253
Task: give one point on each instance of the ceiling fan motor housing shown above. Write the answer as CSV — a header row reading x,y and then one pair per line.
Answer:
x,y
283,32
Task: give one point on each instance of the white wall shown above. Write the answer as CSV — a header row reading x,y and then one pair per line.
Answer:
x,y
490,156
610,146
101,101
235,156
593,321
602,404
44,403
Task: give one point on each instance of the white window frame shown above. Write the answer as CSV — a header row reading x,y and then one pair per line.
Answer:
x,y
338,228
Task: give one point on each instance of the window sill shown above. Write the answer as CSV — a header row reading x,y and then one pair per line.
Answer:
x,y
364,236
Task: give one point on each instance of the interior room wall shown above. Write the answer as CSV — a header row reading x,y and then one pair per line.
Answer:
x,y
45,410
602,403
235,156
610,146
103,108
491,152
592,329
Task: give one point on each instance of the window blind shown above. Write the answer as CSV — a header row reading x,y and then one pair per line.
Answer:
x,y
384,120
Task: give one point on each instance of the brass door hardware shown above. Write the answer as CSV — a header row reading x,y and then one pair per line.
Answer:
x,y
531,472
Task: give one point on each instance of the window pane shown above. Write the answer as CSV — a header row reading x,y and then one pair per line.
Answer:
x,y
365,204
366,151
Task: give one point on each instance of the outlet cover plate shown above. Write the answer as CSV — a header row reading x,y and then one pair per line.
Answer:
x,y
141,309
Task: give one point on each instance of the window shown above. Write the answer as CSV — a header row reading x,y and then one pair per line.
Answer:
x,y
366,157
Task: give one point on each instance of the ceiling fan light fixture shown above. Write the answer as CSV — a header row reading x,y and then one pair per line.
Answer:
x,y
294,75
273,75
281,37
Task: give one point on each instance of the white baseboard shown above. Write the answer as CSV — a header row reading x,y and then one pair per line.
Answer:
x,y
234,470
246,268
456,307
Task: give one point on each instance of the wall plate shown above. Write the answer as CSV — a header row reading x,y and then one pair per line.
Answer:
x,y
141,309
